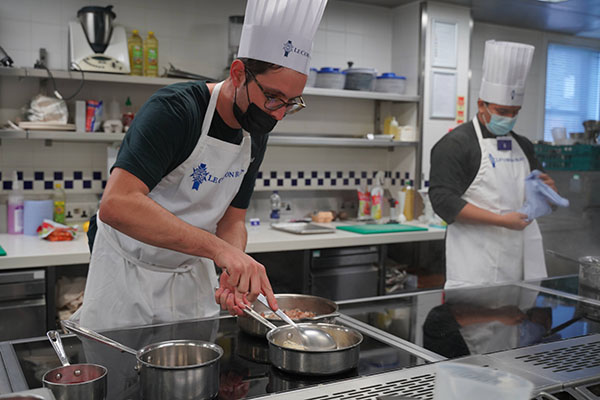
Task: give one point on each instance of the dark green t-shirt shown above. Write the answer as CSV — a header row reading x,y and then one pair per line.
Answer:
x,y
166,130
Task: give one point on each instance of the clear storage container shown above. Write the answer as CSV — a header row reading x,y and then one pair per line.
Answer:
x,y
330,78
389,82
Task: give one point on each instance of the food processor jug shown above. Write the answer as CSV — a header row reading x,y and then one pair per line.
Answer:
x,y
97,25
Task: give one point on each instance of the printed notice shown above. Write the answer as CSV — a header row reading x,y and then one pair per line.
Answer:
x,y
443,95
443,44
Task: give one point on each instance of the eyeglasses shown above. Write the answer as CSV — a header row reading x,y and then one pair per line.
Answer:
x,y
273,103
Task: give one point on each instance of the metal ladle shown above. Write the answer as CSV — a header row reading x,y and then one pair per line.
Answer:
x,y
312,338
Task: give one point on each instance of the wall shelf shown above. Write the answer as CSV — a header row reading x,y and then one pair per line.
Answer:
x,y
274,140
280,140
65,136
22,72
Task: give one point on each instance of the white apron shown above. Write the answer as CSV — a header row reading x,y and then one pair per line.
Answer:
x,y
133,283
479,254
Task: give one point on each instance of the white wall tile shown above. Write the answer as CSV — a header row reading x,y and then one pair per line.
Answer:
x,y
45,11
15,34
16,9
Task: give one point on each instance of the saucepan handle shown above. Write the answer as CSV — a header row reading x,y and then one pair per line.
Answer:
x,y
88,333
248,310
54,338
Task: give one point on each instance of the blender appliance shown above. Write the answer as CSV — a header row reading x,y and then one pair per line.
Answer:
x,y
95,45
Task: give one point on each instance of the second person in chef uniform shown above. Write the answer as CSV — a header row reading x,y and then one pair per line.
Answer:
x,y
477,180
175,202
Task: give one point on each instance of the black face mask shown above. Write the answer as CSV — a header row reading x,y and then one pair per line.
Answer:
x,y
254,120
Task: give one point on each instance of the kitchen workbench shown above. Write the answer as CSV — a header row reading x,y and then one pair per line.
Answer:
x,y
30,252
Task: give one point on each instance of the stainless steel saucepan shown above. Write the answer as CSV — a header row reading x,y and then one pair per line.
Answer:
x,y
77,381
325,311
287,353
173,369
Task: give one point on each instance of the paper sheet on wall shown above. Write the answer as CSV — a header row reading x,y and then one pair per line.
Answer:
x,y
443,95
443,44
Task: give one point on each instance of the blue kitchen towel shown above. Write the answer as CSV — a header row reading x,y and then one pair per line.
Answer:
x,y
539,197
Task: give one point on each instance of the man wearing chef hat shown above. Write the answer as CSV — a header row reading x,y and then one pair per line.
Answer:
x,y
477,180
176,200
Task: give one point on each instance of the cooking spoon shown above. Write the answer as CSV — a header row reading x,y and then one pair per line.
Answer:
x,y
564,257
312,338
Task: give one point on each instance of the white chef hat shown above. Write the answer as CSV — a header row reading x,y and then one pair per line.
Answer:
x,y
505,68
281,31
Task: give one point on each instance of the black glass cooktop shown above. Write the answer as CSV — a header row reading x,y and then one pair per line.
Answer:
x,y
244,371
466,321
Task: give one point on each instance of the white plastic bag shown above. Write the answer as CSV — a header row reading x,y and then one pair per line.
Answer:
x,y
48,109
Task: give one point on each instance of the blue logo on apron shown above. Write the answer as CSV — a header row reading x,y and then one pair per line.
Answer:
x,y
199,175
492,160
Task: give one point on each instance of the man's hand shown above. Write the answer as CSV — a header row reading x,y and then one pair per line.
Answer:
x,y
244,278
514,220
548,181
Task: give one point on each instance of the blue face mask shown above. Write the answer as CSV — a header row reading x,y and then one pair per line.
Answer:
x,y
499,125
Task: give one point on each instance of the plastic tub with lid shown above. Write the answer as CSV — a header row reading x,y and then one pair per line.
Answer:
x,y
330,78
389,82
360,78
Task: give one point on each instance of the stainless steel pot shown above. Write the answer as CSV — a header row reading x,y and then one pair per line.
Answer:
x,y
77,381
287,353
325,310
174,369
328,362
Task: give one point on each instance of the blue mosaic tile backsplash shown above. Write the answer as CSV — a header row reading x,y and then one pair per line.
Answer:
x,y
40,182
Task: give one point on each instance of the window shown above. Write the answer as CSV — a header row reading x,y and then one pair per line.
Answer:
x,y
572,88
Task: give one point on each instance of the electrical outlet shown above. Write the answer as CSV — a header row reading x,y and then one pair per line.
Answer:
x,y
79,211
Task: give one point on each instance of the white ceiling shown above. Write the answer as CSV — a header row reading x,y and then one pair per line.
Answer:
x,y
573,17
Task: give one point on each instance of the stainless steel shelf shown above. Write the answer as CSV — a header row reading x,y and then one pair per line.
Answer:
x,y
22,72
275,140
65,136
357,94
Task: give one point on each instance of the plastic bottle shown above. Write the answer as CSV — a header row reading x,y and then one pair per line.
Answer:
x,y
409,202
395,128
128,114
275,206
377,197
151,55
15,208
135,45
59,199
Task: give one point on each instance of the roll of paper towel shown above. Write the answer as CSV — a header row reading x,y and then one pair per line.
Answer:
x,y
34,213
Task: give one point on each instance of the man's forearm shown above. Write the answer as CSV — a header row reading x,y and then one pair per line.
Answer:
x,y
234,233
475,215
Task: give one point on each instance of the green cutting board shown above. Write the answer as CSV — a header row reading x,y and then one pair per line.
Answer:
x,y
380,228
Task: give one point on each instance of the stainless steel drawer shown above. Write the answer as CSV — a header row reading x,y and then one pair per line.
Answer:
x,y
345,283
22,319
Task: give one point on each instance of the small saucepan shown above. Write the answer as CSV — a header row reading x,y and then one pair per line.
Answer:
x,y
287,353
324,309
77,381
174,369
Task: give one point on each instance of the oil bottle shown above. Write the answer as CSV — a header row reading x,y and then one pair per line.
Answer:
x,y
135,45
151,55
